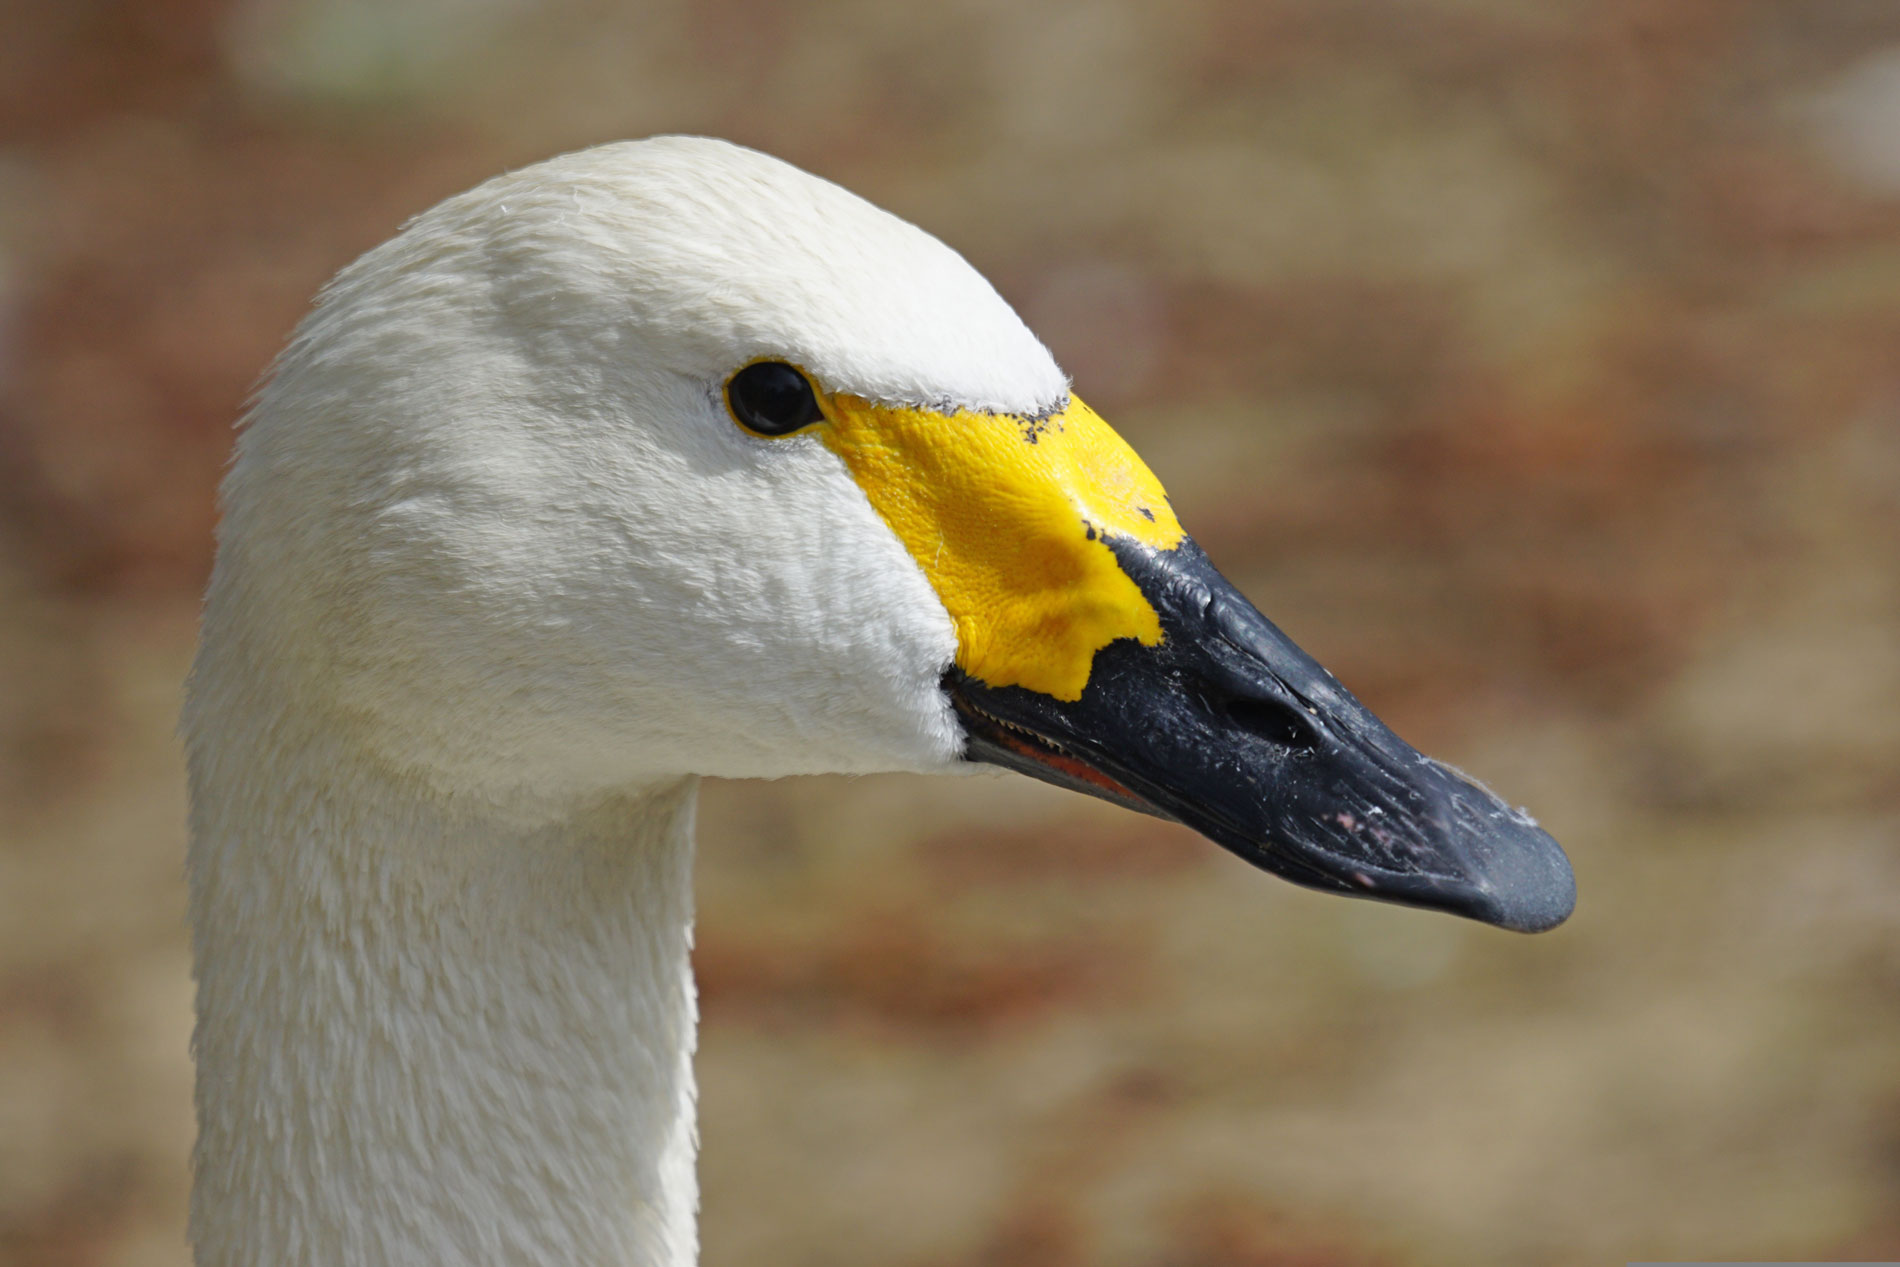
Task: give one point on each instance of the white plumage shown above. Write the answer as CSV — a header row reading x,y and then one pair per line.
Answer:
x,y
497,576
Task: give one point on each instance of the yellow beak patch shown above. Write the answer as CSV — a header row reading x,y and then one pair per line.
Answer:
x,y
1006,515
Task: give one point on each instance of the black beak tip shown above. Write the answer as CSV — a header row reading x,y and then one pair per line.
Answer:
x,y
1523,881
1228,727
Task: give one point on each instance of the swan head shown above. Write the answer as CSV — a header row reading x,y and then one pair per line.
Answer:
x,y
666,458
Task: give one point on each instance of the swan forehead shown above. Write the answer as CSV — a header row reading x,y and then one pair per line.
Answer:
x,y
1009,518
715,254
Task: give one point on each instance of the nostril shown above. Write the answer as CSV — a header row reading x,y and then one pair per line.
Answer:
x,y
1275,721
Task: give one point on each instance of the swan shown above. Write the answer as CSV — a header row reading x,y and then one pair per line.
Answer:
x,y
661,460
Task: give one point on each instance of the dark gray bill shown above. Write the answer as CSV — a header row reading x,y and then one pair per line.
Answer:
x,y
1229,727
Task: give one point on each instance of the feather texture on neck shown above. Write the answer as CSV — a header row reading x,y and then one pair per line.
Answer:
x,y
432,1032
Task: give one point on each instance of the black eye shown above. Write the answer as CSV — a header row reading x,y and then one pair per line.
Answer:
x,y
772,398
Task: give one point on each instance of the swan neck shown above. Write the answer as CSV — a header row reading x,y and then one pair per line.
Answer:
x,y
433,1033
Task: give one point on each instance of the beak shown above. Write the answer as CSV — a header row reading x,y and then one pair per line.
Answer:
x,y
1230,728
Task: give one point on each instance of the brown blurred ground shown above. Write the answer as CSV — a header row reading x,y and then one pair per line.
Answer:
x,y
1536,364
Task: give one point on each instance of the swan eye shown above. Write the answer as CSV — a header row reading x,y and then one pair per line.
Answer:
x,y
772,398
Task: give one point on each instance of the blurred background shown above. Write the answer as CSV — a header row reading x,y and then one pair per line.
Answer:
x,y
1535,363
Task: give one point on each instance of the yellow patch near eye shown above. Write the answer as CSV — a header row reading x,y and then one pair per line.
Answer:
x,y
1006,515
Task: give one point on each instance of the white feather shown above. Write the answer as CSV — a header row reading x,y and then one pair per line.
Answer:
x,y
497,577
